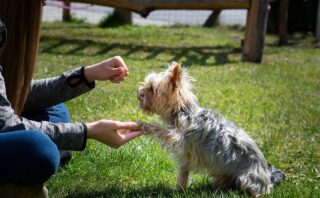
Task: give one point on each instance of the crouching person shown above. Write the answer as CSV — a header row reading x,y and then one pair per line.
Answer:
x,y
36,134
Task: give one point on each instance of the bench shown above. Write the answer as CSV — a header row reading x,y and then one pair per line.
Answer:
x,y
255,25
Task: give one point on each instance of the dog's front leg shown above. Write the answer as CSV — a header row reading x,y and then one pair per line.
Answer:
x,y
169,137
183,177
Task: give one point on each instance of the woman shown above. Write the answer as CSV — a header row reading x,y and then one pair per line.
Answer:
x,y
34,125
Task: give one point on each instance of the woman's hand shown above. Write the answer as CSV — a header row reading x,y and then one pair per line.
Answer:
x,y
113,133
113,69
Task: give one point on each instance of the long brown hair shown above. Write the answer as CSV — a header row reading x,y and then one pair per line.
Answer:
x,y
23,20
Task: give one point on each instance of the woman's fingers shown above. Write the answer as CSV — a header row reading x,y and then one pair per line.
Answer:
x,y
120,63
117,79
128,131
130,135
133,126
117,71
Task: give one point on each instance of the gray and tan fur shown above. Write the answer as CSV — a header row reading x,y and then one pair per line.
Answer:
x,y
201,140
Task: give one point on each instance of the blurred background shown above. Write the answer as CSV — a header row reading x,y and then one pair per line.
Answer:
x,y
95,14
302,16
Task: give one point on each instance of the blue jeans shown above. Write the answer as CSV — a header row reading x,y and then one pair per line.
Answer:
x,y
31,157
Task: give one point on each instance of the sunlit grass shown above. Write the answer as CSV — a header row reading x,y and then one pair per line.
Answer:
x,y
277,102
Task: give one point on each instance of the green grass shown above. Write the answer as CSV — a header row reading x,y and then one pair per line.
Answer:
x,y
276,102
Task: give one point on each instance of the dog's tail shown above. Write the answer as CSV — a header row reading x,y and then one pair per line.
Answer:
x,y
277,176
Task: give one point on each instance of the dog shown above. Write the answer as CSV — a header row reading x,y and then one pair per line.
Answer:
x,y
201,140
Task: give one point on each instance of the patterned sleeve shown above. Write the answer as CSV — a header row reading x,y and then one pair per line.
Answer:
x,y
52,91
68,136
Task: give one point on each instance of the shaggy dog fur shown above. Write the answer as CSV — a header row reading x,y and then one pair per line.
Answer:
x,y
201,140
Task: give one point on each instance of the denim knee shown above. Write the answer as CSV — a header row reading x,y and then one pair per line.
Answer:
x,y
46,155
59,113
30,157
56,113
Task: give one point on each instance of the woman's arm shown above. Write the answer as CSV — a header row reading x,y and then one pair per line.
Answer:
x,y
68,136
48,92
51,91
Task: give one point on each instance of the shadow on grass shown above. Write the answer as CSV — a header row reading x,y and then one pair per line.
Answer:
x,y
297,40
190,55
154,191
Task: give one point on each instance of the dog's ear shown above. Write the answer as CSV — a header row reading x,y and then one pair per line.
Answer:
x,y
176,75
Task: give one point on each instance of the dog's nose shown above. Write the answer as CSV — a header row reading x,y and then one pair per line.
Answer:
x,y
140,94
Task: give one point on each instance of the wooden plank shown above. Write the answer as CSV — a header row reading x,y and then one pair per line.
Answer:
x,y
256,17
212,20
66,14
318,23
255,31
144,7
283,22
123,16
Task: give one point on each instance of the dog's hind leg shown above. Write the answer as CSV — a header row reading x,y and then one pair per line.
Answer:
x,y
183,177
254,184
223,182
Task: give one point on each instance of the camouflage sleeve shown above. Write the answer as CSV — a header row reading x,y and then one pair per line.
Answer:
x,y
52,91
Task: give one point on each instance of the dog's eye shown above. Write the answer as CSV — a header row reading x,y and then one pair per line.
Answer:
x,y
151,89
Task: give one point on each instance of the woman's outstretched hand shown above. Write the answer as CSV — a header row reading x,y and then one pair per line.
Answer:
x,y
113,69
109,132
113,133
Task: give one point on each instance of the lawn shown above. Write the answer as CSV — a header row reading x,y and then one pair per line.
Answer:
x,y
276,102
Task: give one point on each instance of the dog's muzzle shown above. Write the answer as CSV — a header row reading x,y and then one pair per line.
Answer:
x,y
140,94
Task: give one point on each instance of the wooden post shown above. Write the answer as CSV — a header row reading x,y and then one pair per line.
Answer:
x,y
318,23
283,22
256,18
255,31
212,19
122,16
66,15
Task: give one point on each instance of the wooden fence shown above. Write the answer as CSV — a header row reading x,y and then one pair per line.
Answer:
x,y
255,25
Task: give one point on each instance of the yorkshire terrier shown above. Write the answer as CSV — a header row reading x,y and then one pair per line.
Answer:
x,y
201,140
